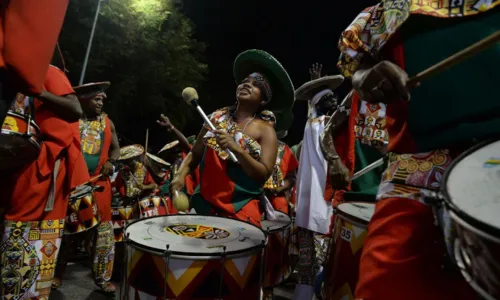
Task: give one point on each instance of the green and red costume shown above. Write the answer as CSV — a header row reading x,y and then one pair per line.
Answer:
x,y
403,251
225,189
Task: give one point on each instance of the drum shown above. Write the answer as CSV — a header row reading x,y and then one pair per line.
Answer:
x,y
193,257
277,259
121,216
471,195
82,211
349,233
152,206
20,141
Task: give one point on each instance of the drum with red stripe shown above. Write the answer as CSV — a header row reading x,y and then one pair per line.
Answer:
x,y
152,206
193,257
121,216
82,212
278,267
349,233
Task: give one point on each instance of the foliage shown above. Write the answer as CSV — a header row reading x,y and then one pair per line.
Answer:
x,y
145,48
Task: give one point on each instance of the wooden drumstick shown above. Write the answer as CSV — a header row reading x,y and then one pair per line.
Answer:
x,y
455,59
146,145
91,180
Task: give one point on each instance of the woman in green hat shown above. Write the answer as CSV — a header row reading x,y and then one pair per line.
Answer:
x,y
232,189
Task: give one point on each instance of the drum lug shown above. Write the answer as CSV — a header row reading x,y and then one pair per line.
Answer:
x,y
223,260
167,254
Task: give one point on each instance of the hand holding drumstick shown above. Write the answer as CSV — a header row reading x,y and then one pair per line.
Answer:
x,y
386,82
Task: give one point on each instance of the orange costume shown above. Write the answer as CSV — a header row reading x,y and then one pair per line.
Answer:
x,y
32,228
26,22
404,251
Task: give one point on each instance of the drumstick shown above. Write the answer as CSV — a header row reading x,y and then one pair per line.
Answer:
x,y
455,59
368,168
146,145
190,96
91,179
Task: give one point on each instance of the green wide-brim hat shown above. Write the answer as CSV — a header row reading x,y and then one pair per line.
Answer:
x,y
284,120
259,61
90,90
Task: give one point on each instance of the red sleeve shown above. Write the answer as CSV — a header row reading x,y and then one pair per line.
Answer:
x,y
120,184
148,179
57,83
288,162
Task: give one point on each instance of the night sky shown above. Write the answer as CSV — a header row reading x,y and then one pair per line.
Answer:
x,y
297,33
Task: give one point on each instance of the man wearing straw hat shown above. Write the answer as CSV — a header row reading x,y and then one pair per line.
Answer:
x,y
404,250
36,198
313,208
232,189
100,148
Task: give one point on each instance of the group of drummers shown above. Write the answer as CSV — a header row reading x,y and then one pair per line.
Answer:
x,y
384,198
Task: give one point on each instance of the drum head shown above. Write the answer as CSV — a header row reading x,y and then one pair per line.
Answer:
x,y
360,212
282,221
471,186
158,160
194,235
80,191
131,151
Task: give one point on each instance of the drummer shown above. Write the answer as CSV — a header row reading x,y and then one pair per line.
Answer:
x,y
314,194
231,189
100,148
33,219
279,186
134,180
175,152
403,251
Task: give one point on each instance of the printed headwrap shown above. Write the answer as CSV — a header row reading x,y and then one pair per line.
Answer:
x,y
263,84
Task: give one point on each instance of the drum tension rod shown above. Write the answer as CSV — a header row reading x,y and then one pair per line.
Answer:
x,y
223,259
167,258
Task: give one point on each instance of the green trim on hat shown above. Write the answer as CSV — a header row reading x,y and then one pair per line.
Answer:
x,y
284,120
259,61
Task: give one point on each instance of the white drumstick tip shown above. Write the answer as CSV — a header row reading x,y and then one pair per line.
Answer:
x,y
189,94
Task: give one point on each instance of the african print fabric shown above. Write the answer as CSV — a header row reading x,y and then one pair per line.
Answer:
x,y
138,176
223,120
28,258
370,125
410,175
277,179
104,253
374,26
92,138
312,255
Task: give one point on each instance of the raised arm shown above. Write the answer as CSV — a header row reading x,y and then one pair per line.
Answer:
x,y
164,121
190,162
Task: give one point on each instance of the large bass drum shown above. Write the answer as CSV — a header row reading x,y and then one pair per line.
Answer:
x,y
472,200
193,257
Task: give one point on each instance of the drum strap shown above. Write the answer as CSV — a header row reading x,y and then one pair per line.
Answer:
x,y
52,193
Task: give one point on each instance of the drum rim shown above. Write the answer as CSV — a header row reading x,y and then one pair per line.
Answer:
x,y
353,219
90,191
281,228
32,122
478,224
190,255
30,139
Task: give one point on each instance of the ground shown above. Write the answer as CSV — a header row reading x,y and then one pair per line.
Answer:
x,y
79,285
